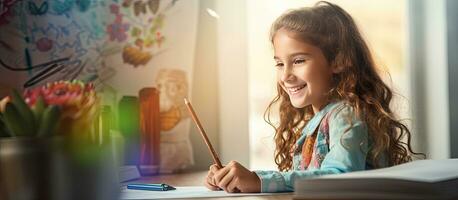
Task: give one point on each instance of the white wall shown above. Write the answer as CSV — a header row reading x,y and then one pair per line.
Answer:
x,y
428,64
233,81
436,79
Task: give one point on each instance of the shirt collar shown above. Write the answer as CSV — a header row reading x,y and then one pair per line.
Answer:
x,y
316,119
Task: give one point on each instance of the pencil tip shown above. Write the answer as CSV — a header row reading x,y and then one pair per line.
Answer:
x,y
186,101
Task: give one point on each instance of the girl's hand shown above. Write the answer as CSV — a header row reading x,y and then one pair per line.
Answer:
x,y
209,180
235,178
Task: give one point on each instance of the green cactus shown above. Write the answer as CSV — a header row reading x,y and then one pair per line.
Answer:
x,y
38,111
18,119
4,131
31,116
14,121
49,121
25,113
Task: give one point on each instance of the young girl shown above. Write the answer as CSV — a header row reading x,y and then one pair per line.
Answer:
x,y
334,107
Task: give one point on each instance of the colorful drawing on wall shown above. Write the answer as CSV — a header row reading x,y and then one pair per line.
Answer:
x,y
46,31
144,37
103,41
85,31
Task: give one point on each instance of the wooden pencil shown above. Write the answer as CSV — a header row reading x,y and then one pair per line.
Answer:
x,y
202,132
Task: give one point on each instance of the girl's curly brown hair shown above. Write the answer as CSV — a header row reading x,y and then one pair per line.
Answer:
x,y
333,30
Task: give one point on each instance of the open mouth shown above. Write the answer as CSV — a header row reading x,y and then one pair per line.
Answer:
x,y
297,89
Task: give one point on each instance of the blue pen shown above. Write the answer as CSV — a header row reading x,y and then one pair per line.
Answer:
x,y
150,187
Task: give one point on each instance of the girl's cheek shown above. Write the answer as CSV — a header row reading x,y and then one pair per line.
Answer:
x,y
279,77
307,73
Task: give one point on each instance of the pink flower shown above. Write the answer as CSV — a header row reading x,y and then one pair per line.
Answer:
x,y
117,29
78,102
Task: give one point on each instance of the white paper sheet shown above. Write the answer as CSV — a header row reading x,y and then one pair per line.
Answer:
x,y
183,192
420,170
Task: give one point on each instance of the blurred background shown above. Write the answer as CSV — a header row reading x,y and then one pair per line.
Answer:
x,y
218,54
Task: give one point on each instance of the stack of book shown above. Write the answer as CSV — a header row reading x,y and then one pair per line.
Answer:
x,y
422,179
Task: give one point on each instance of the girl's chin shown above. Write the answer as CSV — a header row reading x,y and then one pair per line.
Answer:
x,y
298,103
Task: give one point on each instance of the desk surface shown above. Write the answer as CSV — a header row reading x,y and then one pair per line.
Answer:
x,y
196,179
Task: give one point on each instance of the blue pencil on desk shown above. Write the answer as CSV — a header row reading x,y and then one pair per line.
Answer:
x,y
150,187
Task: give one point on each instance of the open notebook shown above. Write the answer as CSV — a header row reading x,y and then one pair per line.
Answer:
x,y
422,179
185,193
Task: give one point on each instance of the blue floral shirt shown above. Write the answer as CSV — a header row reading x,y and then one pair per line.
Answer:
x,y
340,145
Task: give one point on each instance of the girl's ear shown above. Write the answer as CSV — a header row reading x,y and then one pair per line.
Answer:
x,y
336,69
339,63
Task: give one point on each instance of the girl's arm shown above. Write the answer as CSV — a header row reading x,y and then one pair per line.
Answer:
x,y
348,147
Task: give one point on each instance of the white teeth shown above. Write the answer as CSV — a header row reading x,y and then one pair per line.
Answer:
x,y
296,89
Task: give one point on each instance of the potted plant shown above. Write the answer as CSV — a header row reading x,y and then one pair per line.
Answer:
x,y
48,149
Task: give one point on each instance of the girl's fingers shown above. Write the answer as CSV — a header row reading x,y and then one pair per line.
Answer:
x,y
209,176
232,186
211,187
211,180
221,173
214,168
224,182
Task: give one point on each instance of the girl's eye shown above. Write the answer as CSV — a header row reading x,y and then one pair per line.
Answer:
x,y
278,65
299,61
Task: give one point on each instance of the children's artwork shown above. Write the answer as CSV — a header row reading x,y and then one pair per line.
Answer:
x,y
139,23
120,45
176,151
169,69
54,40
173,85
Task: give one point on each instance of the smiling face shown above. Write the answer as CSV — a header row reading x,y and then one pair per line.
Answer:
x,y
302,70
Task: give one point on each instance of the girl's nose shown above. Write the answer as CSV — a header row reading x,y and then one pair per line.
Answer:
x,y
287,75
